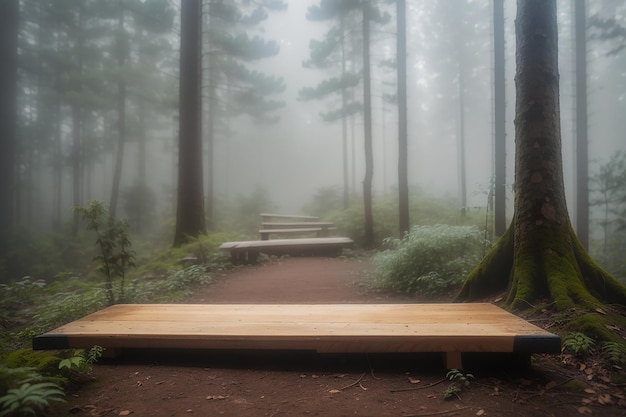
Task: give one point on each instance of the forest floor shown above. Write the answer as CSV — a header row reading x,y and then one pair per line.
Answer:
x,y
183,383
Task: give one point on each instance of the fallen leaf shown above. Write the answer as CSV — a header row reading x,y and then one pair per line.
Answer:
x,y
590,391
334,391
216,397
599,310
124,413
414,380
604,399
431,396
480,412
497,300
551,385
582,366
585,410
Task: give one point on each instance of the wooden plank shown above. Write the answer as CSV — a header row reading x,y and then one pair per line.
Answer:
x,y
266,232
352,328
296,225
267,216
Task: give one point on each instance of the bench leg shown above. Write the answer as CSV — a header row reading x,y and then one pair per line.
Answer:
x,y
252,256
453,360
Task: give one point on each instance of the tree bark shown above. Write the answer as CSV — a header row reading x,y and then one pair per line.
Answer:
x,y
367,128
499,116
540,258
190,220
582,155
403,183
9,13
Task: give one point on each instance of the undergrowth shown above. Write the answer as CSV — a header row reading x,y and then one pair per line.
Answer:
x,y
429,260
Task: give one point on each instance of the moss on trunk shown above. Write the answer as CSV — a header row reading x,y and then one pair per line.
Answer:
x,y
552,269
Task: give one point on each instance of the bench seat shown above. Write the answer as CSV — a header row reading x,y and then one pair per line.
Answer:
x,y
247,251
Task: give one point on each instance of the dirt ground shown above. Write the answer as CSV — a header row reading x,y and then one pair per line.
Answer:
x,y
281,384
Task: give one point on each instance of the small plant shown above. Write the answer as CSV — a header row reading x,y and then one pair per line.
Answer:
x,y
455,374
112,238
578,343
81,361
453,389
30,398
616,352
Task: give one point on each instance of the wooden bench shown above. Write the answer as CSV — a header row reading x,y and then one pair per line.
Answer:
x,y
452,329
248,251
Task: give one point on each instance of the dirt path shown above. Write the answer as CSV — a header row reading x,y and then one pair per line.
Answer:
x,y
183,383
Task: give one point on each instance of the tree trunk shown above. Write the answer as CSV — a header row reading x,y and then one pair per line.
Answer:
x,y
9,13
461,134
344,118
212,106
190,221
121,52
540,258
582,157
76,165
403,182
367,128
499,116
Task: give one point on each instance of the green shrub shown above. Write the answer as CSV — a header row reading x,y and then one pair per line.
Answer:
x,y
429,260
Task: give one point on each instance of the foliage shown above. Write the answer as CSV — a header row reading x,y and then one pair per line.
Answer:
x,y
81,359
425,210
10,376
184,278
577,342
30,398
615,351
453,389
455,374
19,292
63,307
429,260
112,239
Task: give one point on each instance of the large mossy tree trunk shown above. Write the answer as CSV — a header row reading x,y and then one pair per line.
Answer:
x,y
539,259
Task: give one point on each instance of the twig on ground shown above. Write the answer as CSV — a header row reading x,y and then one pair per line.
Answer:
x,y
437,413
418,388
357,382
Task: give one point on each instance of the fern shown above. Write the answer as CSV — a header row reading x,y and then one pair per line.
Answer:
x,y
616,352
578,343
30,398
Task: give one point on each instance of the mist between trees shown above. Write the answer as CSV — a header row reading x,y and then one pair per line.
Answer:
x,y
95,90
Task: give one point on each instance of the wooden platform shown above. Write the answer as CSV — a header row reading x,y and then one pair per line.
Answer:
x,y
351,328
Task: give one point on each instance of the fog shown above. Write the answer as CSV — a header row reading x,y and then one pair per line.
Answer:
x,y
300,153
